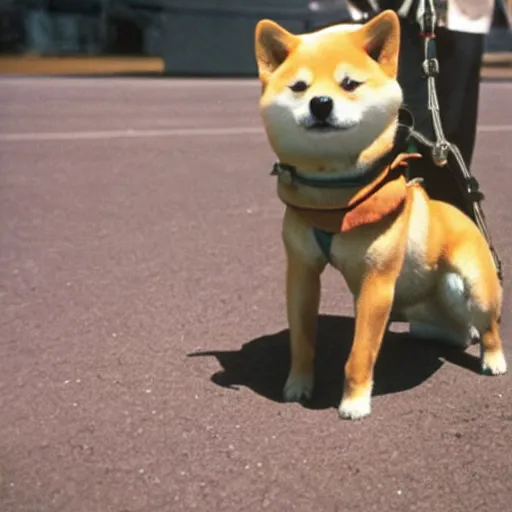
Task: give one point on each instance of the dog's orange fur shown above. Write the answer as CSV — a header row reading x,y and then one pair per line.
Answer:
x,y
428,262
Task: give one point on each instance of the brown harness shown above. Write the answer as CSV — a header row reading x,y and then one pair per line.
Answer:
x,y
367,205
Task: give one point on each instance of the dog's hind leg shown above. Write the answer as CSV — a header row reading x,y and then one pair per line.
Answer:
x,y
485,312
492,357
471,294
446,317
465,311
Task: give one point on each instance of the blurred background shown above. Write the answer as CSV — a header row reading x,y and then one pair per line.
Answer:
x,y
180,37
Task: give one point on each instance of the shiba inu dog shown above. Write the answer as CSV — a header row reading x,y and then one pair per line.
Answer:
x,y
330,105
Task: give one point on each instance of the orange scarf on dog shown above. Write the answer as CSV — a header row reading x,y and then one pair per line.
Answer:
x,y
368,205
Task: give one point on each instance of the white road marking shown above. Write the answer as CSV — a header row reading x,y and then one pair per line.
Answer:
x,y
171,132
491,128
128,134
79,81
496,85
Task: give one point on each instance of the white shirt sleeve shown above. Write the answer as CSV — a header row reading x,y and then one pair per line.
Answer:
x,y
473,16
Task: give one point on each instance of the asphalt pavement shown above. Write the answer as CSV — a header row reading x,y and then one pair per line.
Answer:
x,y
143,341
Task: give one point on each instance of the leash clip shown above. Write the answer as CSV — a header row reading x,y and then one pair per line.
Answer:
x,y
431,67
284,172
440,153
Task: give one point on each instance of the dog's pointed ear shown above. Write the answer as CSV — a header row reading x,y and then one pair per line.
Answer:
x,y
380,38
272,45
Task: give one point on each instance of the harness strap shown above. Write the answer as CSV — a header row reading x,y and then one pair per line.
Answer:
x,y
324,241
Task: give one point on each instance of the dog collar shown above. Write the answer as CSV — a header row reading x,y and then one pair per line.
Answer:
x,y
290,174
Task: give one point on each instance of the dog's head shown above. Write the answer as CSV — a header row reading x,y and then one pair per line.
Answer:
x,y
329,94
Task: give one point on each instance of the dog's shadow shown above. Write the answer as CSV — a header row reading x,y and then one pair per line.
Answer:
x,y
263,363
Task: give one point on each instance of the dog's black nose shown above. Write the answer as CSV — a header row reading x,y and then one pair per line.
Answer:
x,y
321,107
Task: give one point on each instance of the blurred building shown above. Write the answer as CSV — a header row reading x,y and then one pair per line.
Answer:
x,y
78,27
192,36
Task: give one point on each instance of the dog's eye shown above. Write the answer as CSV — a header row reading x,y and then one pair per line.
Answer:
x,y
299,86
349,85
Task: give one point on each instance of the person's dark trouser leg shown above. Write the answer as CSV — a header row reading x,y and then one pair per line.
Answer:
x,y
459,57
411,78
459,87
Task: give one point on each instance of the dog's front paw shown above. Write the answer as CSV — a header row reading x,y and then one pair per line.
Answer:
x,y
355,408
356,405
298,388
494,363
